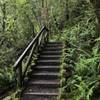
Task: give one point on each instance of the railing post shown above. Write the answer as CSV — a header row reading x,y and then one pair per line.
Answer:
x,y
37,45
47,37
19,72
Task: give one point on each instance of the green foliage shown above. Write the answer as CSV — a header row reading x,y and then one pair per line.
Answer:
x,y
71,21
18,26
85,55
83,89
6,77
21,1
62,90
62,94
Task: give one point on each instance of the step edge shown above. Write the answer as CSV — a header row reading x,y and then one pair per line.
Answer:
x,y
44,83
42,94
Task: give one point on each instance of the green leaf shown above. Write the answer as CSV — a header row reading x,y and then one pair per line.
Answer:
x,y
21,1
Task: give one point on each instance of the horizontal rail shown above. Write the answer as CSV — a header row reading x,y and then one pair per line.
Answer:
x,y
27,49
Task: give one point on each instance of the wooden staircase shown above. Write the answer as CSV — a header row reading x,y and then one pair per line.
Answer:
x,y
44,83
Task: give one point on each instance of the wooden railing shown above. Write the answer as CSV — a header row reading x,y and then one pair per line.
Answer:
x,y
33,48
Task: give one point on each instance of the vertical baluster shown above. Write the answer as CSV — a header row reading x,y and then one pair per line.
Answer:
x,y
37,47
39,41
46,37
42,42
20,81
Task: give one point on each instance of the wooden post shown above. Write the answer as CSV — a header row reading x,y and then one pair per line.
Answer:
x,y
20,74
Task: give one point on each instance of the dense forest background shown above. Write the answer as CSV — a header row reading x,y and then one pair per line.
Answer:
x,y
74,21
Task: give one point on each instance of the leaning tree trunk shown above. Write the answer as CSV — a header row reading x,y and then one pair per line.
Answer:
x,y
96,5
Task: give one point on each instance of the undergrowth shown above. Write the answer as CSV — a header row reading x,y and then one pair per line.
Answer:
x,y
82,58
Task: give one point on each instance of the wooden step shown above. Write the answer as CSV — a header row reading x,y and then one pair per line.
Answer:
x,y
53,49
51,57
45,75
48,62
42,94
46,68
54,44
32,97
58,42
39,89
45,83
51,53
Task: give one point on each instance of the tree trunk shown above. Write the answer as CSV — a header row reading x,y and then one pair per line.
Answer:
x,y
96,5
4,17
44,13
